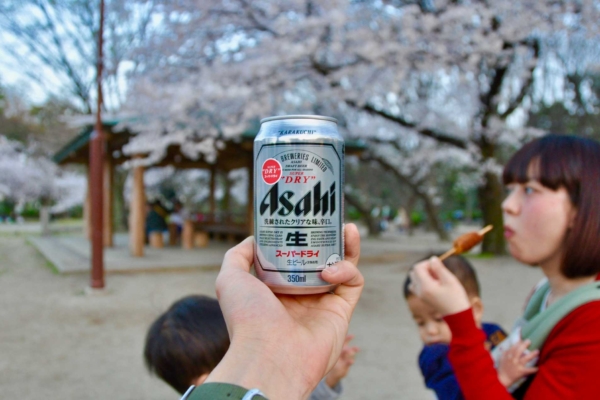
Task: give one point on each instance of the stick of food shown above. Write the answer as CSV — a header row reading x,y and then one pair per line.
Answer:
x,y
466,242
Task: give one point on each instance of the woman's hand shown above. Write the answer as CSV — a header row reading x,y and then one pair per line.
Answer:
x,y
433,283
284,344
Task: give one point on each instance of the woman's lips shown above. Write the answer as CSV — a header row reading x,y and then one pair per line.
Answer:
x,y
508,232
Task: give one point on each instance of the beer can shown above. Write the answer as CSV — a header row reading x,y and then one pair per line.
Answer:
x,y
298,202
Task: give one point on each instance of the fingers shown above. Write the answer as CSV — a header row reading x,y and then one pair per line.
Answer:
x,y
530,356
417,274
521,346
349,278
351,243
237,259
530,370
438,270
240,256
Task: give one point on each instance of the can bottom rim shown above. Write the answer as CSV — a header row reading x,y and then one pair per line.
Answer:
x,y
302,289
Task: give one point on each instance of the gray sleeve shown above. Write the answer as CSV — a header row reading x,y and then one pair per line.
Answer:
x,y
324,392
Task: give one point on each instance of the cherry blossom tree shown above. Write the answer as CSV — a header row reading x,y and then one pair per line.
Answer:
x,y
26,177
425,82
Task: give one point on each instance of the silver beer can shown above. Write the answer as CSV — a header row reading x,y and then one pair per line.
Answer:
x,y
298,202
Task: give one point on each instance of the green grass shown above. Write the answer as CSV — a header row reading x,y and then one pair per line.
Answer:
x,y
48,264
52,267
480,256
68,222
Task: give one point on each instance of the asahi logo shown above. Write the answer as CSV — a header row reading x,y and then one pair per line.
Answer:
x,y
312,201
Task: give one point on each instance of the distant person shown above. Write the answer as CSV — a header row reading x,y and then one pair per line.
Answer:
x,y
436,335
156,216
177,216
188,341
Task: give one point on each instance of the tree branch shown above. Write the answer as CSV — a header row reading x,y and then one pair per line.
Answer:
x,y
428,132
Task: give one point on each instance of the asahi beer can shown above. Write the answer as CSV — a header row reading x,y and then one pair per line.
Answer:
x,y
298,202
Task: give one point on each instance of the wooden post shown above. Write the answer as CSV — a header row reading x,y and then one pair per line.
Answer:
x,y
137,213
97,151
187,235
108,202
156,239
172,234
200,239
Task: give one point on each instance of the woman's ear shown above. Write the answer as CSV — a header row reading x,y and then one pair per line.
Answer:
x,y
477,307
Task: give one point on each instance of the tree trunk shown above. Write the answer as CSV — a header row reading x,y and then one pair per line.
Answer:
x,y
45,220
119,211
372,223
430,208
409,210
490,201
432,216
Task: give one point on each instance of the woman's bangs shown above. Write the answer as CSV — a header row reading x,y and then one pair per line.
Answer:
x,y
522,165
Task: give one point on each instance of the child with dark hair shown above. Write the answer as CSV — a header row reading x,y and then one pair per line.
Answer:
x,y
187,342
436,335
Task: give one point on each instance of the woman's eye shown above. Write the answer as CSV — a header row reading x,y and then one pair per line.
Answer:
x,y
528,190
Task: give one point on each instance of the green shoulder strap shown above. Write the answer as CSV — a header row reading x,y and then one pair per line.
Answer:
x,y
539,324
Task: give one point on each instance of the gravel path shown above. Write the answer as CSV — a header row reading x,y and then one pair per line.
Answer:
x,y
58,342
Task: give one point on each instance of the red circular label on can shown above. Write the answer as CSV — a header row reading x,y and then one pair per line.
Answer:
x,y
271,171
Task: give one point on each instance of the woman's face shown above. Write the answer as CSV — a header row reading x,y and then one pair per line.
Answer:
x,y
536,221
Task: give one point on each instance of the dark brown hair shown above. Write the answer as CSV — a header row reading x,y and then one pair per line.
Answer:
x,y
186,341
461,268
571,162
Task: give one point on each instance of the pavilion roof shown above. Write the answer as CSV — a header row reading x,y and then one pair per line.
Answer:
x,y
236,152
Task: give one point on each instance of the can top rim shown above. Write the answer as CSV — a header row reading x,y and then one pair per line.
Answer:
x,y
280,117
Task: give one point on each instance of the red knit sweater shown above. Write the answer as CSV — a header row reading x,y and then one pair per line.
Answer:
x,y
569,363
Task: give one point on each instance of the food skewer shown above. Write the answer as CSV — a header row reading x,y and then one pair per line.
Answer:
x,y
466,242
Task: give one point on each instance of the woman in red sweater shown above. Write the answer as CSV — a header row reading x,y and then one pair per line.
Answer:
x,y
551,220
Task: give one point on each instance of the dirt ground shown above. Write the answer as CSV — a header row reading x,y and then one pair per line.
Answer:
x,y
60,343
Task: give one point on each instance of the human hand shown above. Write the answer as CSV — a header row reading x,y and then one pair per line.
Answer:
x,y
343,364
515,363
284,344
433,283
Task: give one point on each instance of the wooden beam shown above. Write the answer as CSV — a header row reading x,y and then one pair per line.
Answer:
x,y
137,214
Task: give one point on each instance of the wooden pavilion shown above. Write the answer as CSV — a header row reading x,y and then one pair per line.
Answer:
x,y
235,154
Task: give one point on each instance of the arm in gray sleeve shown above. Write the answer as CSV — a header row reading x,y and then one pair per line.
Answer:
x,y
324,392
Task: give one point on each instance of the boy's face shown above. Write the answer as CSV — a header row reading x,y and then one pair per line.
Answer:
x,y
432,327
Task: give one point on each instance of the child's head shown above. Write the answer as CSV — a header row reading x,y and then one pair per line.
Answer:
x,y
432,327
187,342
